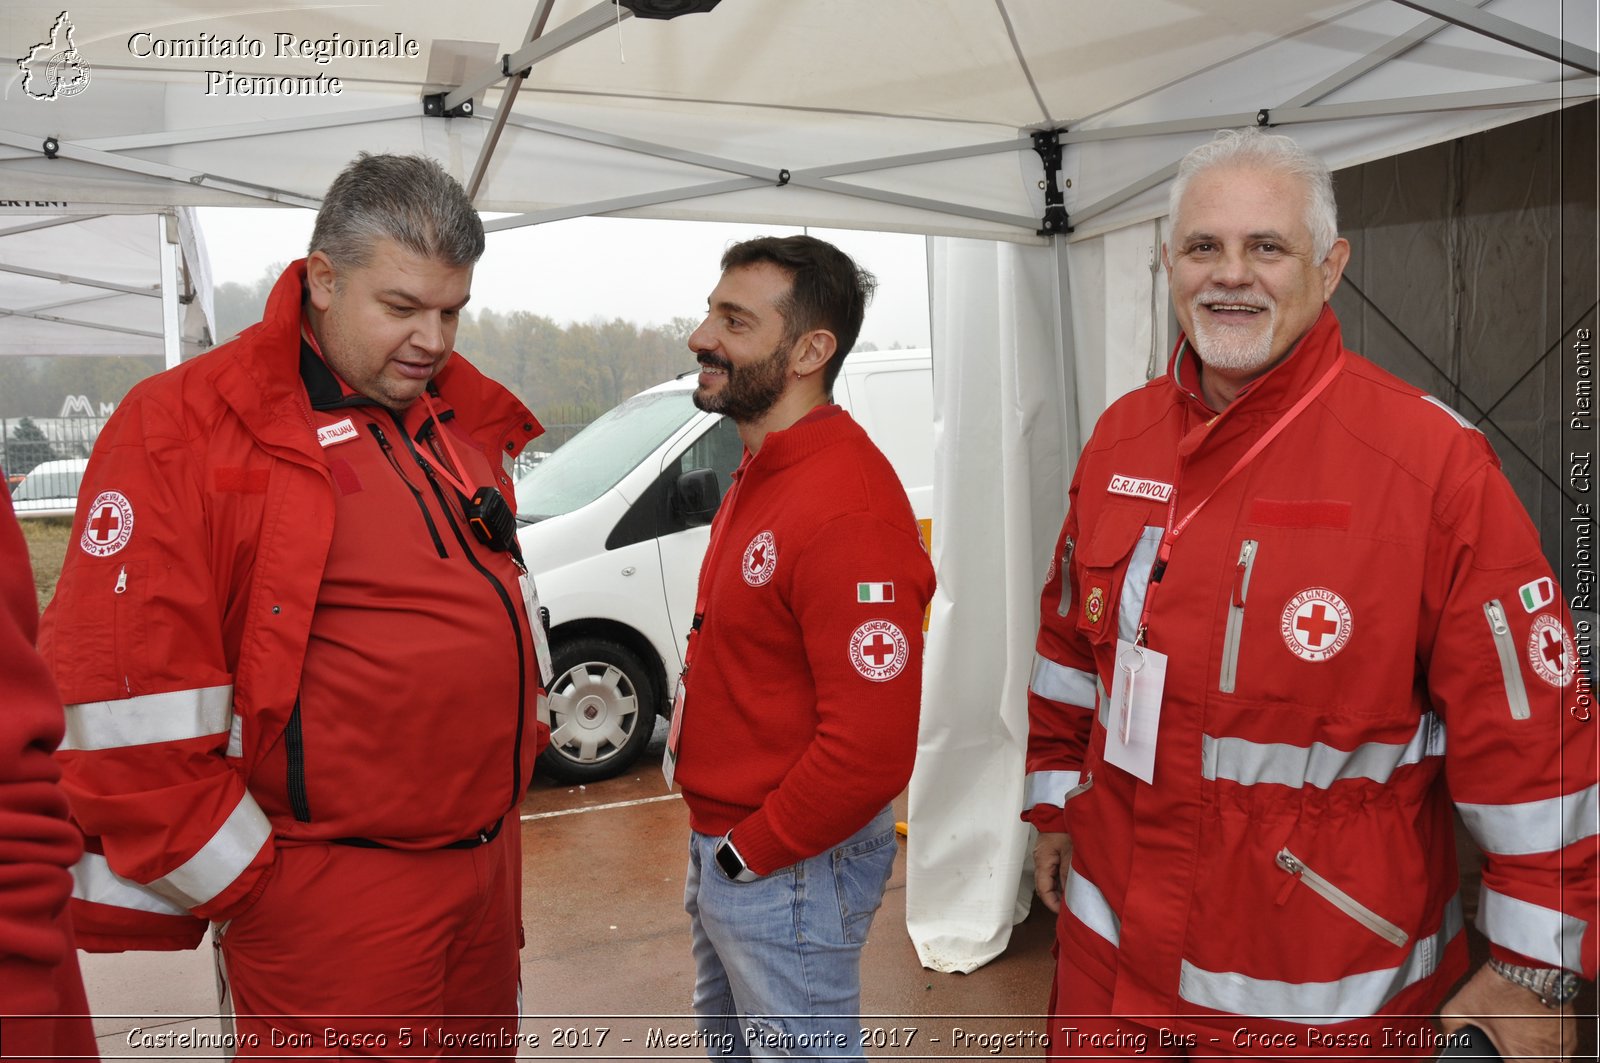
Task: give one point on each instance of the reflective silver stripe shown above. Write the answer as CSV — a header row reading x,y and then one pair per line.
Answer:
x,y
1319,1003
168,717
1060,683
1252,763
236,737
1048,787
1104,712
1084,900
1460,420
1537,932
93,880
1136,583
1534,826
221,860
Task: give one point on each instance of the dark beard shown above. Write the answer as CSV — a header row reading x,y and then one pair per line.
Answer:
x,y
750,391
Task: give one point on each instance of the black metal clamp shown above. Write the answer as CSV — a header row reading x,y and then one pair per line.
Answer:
x,y
1055,221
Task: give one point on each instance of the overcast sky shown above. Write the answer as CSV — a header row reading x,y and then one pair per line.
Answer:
x,y
643,271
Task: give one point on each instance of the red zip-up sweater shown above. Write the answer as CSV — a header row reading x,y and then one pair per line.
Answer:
x,y
805,677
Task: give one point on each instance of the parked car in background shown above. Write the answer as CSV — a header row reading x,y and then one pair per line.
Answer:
x,y
617,522
50,489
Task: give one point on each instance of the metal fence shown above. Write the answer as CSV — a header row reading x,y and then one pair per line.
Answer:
x,y
27,442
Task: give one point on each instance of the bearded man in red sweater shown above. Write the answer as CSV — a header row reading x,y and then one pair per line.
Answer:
x,y
796,720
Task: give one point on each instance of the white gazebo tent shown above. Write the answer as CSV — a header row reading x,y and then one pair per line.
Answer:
x,y
102,284
1031,139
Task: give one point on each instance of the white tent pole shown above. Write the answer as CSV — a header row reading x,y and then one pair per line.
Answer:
x,y
578,29
1391,49
669,195
70,150
1506,31
166,138
34,315
167,250
508,99
68,278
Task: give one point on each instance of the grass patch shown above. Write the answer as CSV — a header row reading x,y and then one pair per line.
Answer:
x,y
48,539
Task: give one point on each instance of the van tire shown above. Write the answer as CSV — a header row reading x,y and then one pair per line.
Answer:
x,y
602,710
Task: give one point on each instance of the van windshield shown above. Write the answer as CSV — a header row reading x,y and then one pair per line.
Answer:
x,y
597,458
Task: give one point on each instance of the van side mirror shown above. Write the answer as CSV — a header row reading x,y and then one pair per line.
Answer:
x,y
697,496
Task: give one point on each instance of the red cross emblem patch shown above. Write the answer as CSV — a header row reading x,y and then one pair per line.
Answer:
x,y
1551,651
109,525
879,650
760,560
1315,624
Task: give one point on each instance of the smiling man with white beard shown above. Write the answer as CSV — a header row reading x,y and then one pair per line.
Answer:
x,y
1295,616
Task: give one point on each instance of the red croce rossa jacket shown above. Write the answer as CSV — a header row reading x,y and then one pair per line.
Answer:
x,y
1360,626
179,653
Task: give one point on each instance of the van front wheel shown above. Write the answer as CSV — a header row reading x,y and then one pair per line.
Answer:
x,y
602,710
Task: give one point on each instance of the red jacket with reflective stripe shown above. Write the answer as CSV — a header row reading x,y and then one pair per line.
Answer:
x,y
38,965
1358,626
180,624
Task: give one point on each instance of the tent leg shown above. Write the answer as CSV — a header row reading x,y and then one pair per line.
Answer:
x,y
168,250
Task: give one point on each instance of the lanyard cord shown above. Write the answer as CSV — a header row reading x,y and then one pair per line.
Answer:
x,y
1170,536
438,430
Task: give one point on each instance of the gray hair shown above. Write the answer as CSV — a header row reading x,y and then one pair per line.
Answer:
x,y
409,199
1268,151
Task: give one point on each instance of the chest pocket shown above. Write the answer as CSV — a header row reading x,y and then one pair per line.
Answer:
x,y
1113,571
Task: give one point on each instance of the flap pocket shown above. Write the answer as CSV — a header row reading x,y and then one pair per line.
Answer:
x,y
1113,569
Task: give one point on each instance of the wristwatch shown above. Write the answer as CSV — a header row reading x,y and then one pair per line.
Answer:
x,y
1553,986
731,863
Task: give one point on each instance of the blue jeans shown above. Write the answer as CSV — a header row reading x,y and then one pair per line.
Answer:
x,y
778,960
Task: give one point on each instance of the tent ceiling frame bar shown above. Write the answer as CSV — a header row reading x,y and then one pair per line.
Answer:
x,y
1391,49
643,147
87,282
1509,32
799,177
611,206
508,101
208,134
1396,47
1573,89
579,28
113,161
53,320
47,223
889,162
80,301
817,179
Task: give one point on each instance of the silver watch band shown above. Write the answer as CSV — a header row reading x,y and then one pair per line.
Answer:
x,y
1553,986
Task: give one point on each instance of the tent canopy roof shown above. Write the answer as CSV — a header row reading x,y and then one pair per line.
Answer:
x,y
896,114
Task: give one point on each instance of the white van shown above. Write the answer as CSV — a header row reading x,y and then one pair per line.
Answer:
x,y
617,521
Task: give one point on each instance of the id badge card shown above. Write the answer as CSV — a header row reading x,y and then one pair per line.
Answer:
x,y
669,762
1135,710
541,638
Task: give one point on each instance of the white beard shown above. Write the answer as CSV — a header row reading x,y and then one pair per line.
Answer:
x,y
1236,349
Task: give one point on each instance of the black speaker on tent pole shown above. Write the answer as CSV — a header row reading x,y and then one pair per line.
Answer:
x,y
667,8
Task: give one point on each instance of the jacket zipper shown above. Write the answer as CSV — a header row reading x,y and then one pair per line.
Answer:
x,y
388,452
1235,629
1510,670
1064,606
294,753
1338,898
505,601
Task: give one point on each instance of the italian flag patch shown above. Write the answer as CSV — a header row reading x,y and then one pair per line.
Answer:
x,y
874,592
